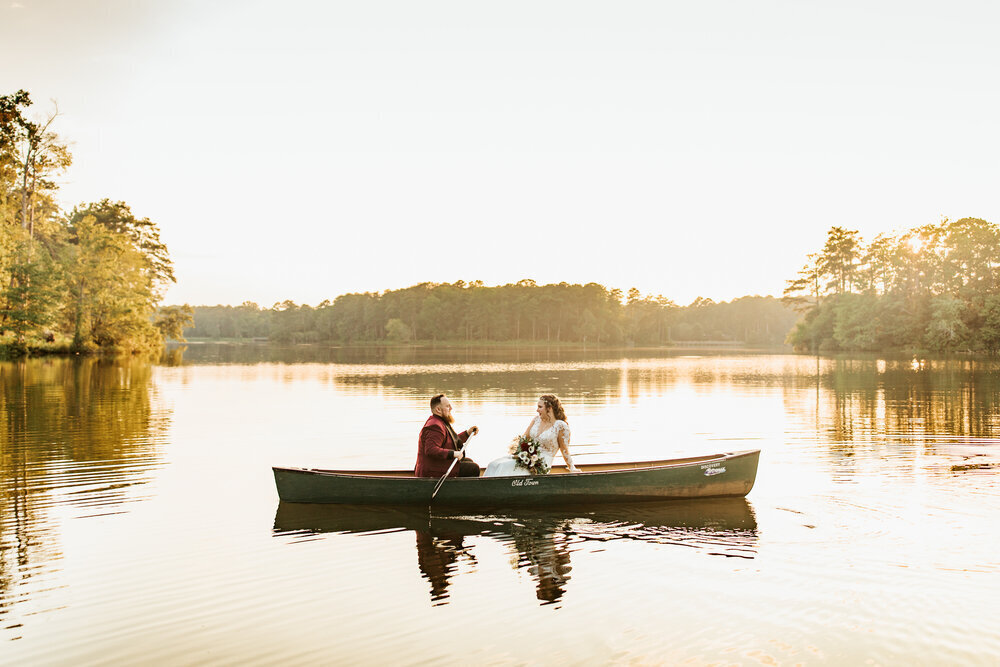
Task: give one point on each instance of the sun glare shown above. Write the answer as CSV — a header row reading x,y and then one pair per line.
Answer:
x,y
916,244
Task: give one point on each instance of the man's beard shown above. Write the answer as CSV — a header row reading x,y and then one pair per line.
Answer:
x,y
450,418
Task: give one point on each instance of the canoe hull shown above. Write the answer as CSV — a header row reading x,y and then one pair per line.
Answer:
x,y
724,475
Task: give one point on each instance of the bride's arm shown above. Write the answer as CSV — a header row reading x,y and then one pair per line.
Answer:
x,y
527,431
564,448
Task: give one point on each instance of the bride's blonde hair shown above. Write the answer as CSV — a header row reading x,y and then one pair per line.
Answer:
x,y
551,401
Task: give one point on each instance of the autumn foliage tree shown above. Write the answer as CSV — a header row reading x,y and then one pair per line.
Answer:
x,y
94,275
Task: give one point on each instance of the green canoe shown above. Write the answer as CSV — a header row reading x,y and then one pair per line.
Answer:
x,y
714,476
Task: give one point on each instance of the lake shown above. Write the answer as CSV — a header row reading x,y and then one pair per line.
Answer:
x,y
139,521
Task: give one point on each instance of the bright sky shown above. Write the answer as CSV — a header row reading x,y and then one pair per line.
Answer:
x,y
305,149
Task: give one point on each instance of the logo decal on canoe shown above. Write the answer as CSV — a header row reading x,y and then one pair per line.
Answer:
x,y
713,469
524,482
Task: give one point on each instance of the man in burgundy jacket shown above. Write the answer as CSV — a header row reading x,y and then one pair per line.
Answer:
x,y
436,447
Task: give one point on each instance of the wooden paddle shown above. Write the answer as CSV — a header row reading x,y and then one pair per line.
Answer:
x,y
437,486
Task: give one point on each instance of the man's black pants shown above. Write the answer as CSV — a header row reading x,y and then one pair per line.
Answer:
x,y
468,468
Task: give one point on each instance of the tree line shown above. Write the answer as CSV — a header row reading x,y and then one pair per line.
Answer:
x,y
933,287
82,280
471,312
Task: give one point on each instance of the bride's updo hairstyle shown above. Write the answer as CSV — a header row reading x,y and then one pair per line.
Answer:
x,y
551,401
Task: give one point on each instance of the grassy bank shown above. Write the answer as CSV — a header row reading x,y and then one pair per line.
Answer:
x,y
60,345
35,349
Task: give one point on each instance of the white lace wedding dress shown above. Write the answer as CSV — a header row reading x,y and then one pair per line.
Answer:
x,y
548,439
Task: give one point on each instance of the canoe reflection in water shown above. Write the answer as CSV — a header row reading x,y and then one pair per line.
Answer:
x,y
540,542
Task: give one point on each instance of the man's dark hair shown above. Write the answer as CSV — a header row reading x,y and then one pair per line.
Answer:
x,y
436,401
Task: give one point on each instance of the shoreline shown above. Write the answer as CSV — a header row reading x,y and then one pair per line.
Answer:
x,y
62,349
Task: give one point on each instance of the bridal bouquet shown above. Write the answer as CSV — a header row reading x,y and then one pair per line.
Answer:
x,y
527,453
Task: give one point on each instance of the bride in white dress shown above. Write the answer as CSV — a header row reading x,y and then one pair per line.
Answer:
x,y
551,431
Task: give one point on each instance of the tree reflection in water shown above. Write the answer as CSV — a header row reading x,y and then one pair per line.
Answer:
x,y
540,541
74,432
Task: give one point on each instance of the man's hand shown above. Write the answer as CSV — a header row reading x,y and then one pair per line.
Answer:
x,y
472,430
459,455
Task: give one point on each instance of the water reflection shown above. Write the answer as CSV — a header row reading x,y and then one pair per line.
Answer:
x,y
438,553
849,405
944,397
173,355
542,547
875,494
540,542
875,407
852,397
77,434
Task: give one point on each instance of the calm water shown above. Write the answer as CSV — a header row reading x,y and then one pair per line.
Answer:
x,y
139,521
